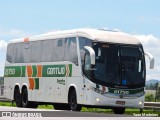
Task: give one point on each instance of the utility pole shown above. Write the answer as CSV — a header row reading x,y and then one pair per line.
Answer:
x,y
156,92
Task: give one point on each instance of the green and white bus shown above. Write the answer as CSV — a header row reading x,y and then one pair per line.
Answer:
x,y
75,68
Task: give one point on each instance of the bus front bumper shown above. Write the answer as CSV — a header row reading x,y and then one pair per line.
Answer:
x,y
116,101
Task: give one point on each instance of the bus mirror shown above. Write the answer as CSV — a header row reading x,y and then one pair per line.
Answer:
x,y
151,58
92,54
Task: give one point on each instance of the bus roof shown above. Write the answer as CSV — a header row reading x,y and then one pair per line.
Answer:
x,y
93,34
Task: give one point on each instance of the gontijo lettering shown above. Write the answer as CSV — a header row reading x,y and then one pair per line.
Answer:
x,y
56,70
61,70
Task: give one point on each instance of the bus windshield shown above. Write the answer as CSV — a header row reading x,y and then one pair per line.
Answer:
x,y
119,65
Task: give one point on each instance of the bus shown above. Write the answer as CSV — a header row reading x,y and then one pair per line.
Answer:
x,y
74,68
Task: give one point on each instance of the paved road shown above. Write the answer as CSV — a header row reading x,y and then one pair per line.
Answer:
x,y
18,113
56,113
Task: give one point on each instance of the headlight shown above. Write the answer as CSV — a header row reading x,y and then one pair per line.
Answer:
x,y
98,100
140,103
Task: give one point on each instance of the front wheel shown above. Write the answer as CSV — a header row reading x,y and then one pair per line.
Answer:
x,y
73,101
119,110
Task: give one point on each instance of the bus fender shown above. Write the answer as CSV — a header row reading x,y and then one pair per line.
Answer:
x,y
17,84
74,86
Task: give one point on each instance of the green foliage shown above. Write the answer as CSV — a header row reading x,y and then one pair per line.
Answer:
x,y
7,104
151,86
97,110
45,107
1,80
149,98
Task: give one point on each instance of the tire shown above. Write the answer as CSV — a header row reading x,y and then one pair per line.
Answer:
x,y
25,102
17,97
73,101
119,110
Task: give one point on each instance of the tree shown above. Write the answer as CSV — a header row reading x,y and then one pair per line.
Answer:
x,y
149,97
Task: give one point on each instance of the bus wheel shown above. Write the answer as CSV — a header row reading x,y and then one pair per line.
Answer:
x,y
25,102
118,110
73,101
17,97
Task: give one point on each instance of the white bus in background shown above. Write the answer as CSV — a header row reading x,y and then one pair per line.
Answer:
x,y
75,68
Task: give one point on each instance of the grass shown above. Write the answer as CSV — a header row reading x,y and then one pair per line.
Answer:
x,y
45,107
128,111
7,104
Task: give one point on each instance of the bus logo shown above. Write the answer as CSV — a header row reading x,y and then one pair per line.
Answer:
x,y
57,70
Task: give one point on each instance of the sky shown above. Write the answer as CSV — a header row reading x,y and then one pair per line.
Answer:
x,y
24,18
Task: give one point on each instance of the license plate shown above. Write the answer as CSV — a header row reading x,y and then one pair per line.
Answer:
x,y
120,102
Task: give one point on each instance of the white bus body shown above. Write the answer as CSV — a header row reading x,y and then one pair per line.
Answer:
x,y
75,68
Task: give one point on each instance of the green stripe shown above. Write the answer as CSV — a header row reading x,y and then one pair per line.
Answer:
x,y
47,71
23,68
34,71
36,80
70,70
12,71
131,91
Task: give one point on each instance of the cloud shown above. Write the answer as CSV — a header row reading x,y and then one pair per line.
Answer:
x,y
148,40
150,19
151,44
13,34
6,35
2,63
3,45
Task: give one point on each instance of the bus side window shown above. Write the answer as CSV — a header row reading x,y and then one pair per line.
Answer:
x,y
83,42
17,57
36,51
10,52
59,50
71,51
26,51
47,52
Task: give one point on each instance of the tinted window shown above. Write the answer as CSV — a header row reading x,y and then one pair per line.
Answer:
x,y
17,58
26,51
59,50
10,50
71,51
36,51
83,42
47,52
